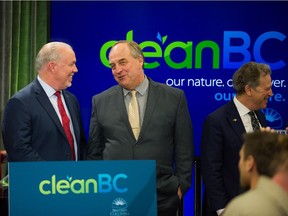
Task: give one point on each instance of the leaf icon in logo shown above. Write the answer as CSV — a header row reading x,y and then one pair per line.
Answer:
x,y
164,39
161,39
69,178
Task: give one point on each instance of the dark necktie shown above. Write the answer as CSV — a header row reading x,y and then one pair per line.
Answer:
x,y
65,123
254,121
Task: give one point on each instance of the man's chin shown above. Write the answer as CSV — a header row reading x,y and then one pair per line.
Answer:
x,y
123,84
69,84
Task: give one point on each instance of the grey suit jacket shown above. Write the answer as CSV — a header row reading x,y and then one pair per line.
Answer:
x,y
32,130
166,134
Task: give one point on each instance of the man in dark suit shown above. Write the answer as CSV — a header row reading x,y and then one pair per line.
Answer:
x,y
32,128
222,135
166,129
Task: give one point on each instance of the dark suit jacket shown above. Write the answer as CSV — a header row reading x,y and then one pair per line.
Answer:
x,y
32,130
166,134
220,146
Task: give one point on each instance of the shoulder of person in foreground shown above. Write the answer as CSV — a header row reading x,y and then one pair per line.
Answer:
x,y
254,202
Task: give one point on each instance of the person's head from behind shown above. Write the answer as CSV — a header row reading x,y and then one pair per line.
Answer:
x,y
56,64
280,163
254,81
259,155
127,61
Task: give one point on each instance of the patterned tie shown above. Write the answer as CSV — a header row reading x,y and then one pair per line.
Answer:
x,y
254,121
133,114
65,122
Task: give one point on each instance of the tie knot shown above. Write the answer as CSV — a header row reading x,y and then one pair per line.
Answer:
x,y
57,93
133,93
252,114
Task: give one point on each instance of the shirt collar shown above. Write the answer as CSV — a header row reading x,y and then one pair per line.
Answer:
x,y
243,110
141,89
48,89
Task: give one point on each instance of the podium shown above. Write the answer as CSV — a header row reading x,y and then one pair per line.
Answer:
x,y
86,188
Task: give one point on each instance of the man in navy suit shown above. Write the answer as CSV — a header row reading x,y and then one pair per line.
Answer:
x,y
32,128
166,129
222,135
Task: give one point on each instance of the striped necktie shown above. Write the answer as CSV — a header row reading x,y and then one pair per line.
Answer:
x,y
254,121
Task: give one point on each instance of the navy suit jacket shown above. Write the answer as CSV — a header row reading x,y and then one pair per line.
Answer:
x,y
32,131
222,138
166,134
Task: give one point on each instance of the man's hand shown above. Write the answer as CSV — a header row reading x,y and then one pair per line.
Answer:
x,y
268,129
179,192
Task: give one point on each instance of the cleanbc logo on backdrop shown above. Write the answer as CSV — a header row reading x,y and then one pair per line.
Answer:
x,y
105,183
164,49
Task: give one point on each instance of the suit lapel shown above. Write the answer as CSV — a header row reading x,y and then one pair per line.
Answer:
x,y
47,106
150,105
261,117
234,120
119,101
72,112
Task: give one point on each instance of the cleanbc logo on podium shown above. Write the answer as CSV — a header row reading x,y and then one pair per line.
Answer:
x,y
86,188
105,183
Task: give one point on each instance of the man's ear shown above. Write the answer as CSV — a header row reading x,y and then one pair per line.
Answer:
x,y
248,90
51,66
141,62
250,163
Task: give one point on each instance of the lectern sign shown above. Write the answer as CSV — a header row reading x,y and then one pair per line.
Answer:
x,y
114,188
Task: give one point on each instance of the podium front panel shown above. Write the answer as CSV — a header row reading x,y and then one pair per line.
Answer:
x,y
86,188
